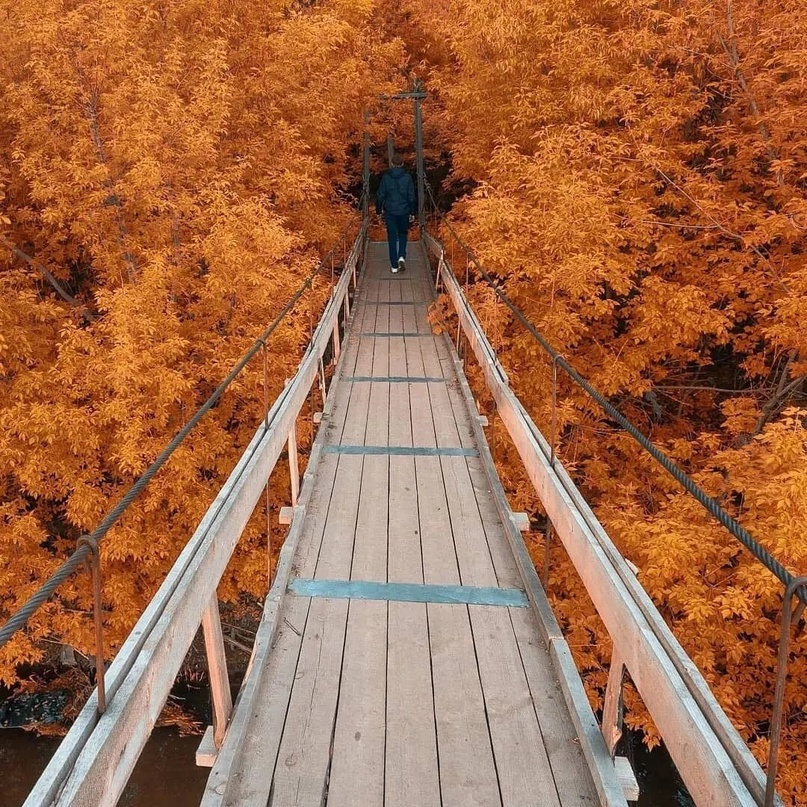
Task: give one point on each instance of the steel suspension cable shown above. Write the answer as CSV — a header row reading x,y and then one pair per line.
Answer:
x,y
712,507
74,561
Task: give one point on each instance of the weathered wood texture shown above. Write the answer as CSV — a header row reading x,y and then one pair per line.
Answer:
x,y
715,763
401,703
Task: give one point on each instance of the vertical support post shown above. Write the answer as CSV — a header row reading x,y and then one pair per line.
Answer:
x,y
390,149
266,487
554,410
94,563
294,468
365,169
322,387
418,88
217,670
613,707
547,554
336,344
781,679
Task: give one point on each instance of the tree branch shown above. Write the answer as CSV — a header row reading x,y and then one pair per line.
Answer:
x,y
35,264
89,107
776,403
731,51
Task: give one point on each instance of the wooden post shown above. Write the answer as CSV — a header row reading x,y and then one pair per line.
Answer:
x,y
365,168
294,468
322,387
390,149
217,670
336,345
613,708
421,176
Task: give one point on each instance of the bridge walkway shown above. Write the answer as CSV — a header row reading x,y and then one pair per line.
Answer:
x,y
425,680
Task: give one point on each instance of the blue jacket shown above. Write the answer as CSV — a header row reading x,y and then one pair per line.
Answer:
x,y
396,194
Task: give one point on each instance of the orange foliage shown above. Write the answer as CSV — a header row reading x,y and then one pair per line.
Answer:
x,y
177,168
636,171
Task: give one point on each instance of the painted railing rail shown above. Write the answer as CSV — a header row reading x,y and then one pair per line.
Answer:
x,y
94,761
713,760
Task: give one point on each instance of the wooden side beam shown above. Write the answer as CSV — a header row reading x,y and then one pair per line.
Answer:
x,y
705,765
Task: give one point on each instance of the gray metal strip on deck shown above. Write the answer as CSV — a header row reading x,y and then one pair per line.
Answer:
x,y
403,451
396,334
409,592
394,379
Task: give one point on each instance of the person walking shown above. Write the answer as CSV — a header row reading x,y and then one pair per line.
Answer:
x,y
396,200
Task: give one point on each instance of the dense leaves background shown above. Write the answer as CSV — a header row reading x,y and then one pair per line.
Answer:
x,y
634,173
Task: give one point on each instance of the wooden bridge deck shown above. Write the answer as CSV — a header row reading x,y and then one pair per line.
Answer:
x,y
415,695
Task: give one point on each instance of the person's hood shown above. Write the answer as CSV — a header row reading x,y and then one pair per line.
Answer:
x,y
397,171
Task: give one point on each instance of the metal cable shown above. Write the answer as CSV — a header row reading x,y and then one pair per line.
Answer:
x,y
69,566
714,509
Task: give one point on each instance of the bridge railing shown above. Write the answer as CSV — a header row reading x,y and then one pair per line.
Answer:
x,y
94,761
714,761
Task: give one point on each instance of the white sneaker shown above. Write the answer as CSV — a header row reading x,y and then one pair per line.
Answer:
x,y
401,264
394,270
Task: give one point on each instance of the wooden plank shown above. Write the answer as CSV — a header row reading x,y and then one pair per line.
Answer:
x,y
303,761
467,770
217,671
522,766
570,769
224,777
357,771
411,767
485,477
246,778
304,758
272,666
412,773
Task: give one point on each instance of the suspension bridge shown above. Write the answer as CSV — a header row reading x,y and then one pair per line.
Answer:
x,y
407,653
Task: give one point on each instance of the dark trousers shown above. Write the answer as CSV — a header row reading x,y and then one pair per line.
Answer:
x,y
397,231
